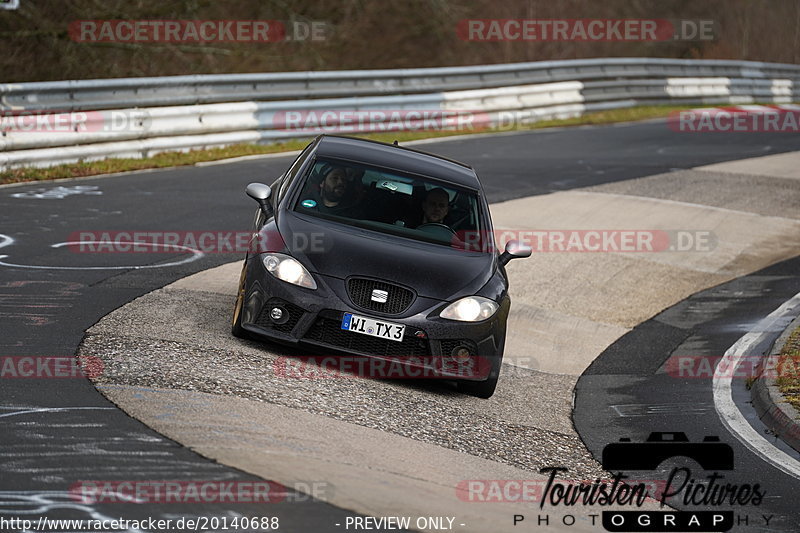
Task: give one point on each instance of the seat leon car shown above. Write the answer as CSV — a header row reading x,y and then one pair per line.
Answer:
x,y
382,252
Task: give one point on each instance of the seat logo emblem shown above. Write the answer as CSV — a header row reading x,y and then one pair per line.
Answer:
x,y
379,296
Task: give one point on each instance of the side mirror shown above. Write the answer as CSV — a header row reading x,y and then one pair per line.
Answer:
x,y
261,194
514,250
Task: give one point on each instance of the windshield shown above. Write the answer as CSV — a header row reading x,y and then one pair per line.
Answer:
x,y
387,201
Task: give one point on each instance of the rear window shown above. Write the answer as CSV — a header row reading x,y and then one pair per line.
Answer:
x,y
387,201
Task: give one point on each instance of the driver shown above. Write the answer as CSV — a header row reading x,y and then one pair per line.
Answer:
x,y
337,195
334,188
435,206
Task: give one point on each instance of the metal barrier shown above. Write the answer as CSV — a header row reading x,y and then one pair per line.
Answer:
x,y
138,117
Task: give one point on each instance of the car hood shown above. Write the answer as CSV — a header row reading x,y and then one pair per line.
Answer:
x,y
340,251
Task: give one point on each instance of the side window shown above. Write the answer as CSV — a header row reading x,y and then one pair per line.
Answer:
x,y
292,172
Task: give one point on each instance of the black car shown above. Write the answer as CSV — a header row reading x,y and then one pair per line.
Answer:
x,y
379,250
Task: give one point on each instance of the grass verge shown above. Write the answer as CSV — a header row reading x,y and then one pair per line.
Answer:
x,y
789,369
172,159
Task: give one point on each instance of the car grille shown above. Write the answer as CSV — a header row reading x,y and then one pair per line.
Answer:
x,y
398,299
295,313
328,330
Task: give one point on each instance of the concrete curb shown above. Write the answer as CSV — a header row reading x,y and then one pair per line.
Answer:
x,y
773,410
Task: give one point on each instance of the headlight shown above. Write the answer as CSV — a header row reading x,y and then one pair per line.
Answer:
x,y
289,270
470,309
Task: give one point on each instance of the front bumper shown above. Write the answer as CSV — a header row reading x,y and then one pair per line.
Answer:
x,y
312,319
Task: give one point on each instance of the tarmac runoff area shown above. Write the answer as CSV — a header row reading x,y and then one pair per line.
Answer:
x,y
388,448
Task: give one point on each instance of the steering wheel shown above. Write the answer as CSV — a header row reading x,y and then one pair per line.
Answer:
x,y
438,229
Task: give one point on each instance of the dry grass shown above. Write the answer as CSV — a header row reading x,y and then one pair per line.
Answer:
x,y
368,34
789,369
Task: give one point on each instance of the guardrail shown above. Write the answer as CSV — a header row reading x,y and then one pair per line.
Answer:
x,y
137,117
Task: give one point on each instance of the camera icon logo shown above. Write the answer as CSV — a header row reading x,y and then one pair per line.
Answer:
x,y
710,454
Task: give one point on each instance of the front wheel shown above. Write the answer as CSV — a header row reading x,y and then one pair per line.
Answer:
x,y
484,389
236,327
479,389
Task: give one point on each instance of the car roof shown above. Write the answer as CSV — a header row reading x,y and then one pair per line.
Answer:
x,y
398,158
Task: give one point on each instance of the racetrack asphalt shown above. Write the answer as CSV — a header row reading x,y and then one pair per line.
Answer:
x,y
203,198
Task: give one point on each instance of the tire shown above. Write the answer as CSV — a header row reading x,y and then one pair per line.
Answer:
x,y
236,326
479,389
484,389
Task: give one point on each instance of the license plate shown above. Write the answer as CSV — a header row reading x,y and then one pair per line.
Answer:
x,y
372,327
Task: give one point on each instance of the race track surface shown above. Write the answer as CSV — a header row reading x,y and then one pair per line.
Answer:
x,y
60,431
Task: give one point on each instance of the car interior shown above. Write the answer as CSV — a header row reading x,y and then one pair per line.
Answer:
x,y
390,199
